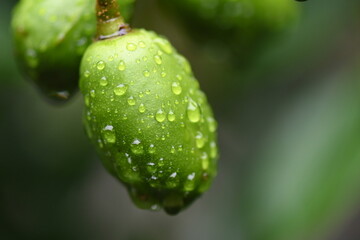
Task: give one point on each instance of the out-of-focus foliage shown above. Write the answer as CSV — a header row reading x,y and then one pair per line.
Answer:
x,y
289,135
49,53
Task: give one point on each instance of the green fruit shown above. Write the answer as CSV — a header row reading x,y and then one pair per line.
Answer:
x,y
151,124
239,24
50,37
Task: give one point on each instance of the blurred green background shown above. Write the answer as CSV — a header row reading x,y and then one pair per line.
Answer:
x,y
289,134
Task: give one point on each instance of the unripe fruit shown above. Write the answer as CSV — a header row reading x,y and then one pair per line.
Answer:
x,y
239,24
50,39
151,124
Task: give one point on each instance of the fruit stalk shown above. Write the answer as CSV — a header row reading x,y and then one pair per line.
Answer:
x,y
110,23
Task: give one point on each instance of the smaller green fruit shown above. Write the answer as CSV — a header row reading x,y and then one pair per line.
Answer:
x,y
50,37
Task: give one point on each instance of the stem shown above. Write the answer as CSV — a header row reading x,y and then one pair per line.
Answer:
x,y
109,21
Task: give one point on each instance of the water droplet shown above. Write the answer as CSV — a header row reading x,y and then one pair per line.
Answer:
x,y
87,100
171,116
142,44
179,77
142,108
164,45
92,93
193,111
173,175
120,89
131,101
158,59
172,150
204,161
176,88
160,116
190,184
108,134
122,65
212,124
136,147
86,74
103,81
152,149
161,162
131,46
213,150
100,65
146,73
200,140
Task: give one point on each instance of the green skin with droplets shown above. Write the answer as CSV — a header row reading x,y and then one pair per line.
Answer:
x,y
149,121
50,37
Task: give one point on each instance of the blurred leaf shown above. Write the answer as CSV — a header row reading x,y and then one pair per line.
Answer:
x,y
307,176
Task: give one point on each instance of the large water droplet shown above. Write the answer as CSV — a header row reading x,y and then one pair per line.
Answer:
x,y
193,111
120,89
100,65
137,147
108,134
176,88
160,115
131,46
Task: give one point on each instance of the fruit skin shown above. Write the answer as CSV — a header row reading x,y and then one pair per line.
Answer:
x,y
50,37
132,84
242,25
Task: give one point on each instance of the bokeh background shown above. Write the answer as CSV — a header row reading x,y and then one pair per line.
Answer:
x,y
289,135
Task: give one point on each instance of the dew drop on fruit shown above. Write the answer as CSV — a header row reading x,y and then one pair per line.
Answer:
x,y
200,140
212,124
122,65
100,65
131,101
120,89
152,149
103,81
108,134
171,116
164,45
146,73
193,111
204,161
142,44
160,116
137,147
213,150
131,46
176,88
142,108
92,93
86,74
158,59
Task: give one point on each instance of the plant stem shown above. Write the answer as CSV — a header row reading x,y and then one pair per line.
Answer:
x,y
109,21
